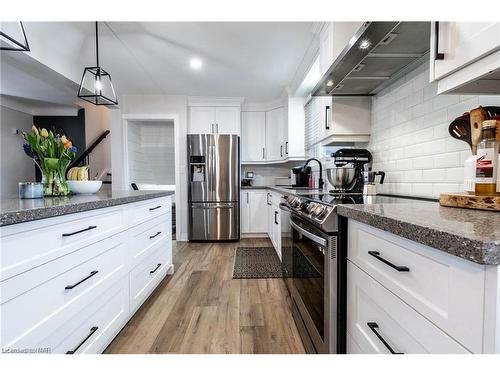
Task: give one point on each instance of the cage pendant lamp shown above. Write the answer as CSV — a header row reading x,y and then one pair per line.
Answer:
x,y
13,41
96,86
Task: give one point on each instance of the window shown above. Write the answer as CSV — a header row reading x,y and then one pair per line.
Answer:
x,y
312,118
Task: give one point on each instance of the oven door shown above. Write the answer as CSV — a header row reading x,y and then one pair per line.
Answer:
x,y
314,284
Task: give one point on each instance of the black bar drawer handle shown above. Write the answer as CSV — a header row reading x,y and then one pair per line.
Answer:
x,y
374,326
79,231
275,217
156,268
376,255
92,331
154,208
82,280
154,235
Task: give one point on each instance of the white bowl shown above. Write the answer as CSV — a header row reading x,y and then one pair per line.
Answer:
x,y
84,187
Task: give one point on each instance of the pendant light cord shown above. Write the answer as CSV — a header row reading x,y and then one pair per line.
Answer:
x,y
97,44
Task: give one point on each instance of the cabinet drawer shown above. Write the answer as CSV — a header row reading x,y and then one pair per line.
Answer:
x,y
379,322
352,346
58,289
93,328
146,275
29,245
145,238
147,210
447,290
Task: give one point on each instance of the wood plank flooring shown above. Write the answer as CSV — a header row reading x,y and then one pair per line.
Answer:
x,y
201,309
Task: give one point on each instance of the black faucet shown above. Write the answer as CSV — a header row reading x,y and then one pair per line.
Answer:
x,y
320,181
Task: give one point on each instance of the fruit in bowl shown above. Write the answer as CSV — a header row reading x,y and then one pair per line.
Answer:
x,y
79,183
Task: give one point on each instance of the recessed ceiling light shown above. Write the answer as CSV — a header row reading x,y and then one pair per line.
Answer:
x,y
364,44
329,83
195,63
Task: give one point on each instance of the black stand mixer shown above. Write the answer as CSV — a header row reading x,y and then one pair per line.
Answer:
x,y
347,176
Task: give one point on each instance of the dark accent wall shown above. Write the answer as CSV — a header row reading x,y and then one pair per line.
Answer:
x,y
72,126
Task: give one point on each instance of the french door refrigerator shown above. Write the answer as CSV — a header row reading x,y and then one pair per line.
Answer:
x,y
213,187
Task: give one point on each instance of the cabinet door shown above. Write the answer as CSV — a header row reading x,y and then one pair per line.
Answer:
x,y
325,47
462,43
283,129
270,215
245,212
277,229
258,211
274,134
253,136
201,120
227,120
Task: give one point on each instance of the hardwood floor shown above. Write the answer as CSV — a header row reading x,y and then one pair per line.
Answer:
x,y
201,309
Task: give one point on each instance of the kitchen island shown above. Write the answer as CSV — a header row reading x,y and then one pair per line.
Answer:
x,y
86,262
426,278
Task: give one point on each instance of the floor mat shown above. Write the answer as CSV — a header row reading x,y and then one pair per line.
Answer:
x,y
257,263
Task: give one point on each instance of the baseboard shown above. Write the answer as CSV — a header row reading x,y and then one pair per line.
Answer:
x,y
254,235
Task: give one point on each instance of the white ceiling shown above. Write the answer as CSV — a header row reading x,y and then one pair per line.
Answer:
x,y
255,60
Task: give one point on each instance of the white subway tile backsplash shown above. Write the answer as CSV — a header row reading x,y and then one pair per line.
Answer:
x,y
410,139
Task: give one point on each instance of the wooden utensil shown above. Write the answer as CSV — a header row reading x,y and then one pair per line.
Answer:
x,y
460,129
477,116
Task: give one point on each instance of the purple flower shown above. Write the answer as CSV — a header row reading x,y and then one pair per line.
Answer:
x,y
73,149
29,151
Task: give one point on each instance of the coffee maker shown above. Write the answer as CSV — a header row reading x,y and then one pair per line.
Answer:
x,y
353,158
300,176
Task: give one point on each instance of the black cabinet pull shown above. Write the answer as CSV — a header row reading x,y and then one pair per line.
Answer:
x,y
374,326
286,147
154,208
437,54
79,231
92,331
154,235
82,280
156,268
376,255
275,217
281,150
327,123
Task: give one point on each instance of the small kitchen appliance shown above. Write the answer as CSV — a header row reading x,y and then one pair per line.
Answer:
x,y
301,176
369,182
347,176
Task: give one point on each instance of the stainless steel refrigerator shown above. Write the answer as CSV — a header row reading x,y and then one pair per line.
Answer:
x,y
213,187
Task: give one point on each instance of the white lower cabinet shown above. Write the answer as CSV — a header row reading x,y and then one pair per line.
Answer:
x,y
87,287
379,322
253,207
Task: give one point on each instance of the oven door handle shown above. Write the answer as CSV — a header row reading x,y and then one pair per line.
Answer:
x,y
317,239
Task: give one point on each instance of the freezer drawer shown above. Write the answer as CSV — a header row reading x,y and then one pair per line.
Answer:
x,y
214,221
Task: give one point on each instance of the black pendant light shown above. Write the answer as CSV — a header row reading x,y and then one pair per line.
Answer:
x,y
96,86
10,43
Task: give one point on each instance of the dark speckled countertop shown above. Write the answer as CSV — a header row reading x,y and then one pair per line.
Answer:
x,y
15,210
470,234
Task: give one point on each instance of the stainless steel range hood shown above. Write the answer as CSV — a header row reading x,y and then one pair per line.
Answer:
x,y
377,53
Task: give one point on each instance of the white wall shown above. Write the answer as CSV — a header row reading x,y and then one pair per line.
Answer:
x,y
151,152
148,105
15,166
97,121
410,139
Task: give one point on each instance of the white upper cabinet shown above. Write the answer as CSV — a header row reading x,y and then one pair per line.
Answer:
x,y
227,120
334,37
463,55
275,122
344,119
253,136
201,120
214,120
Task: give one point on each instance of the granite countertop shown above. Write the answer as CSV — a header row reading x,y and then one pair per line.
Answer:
x,y
15,210
470,234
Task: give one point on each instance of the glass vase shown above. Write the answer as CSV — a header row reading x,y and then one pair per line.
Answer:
x,y
54,177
